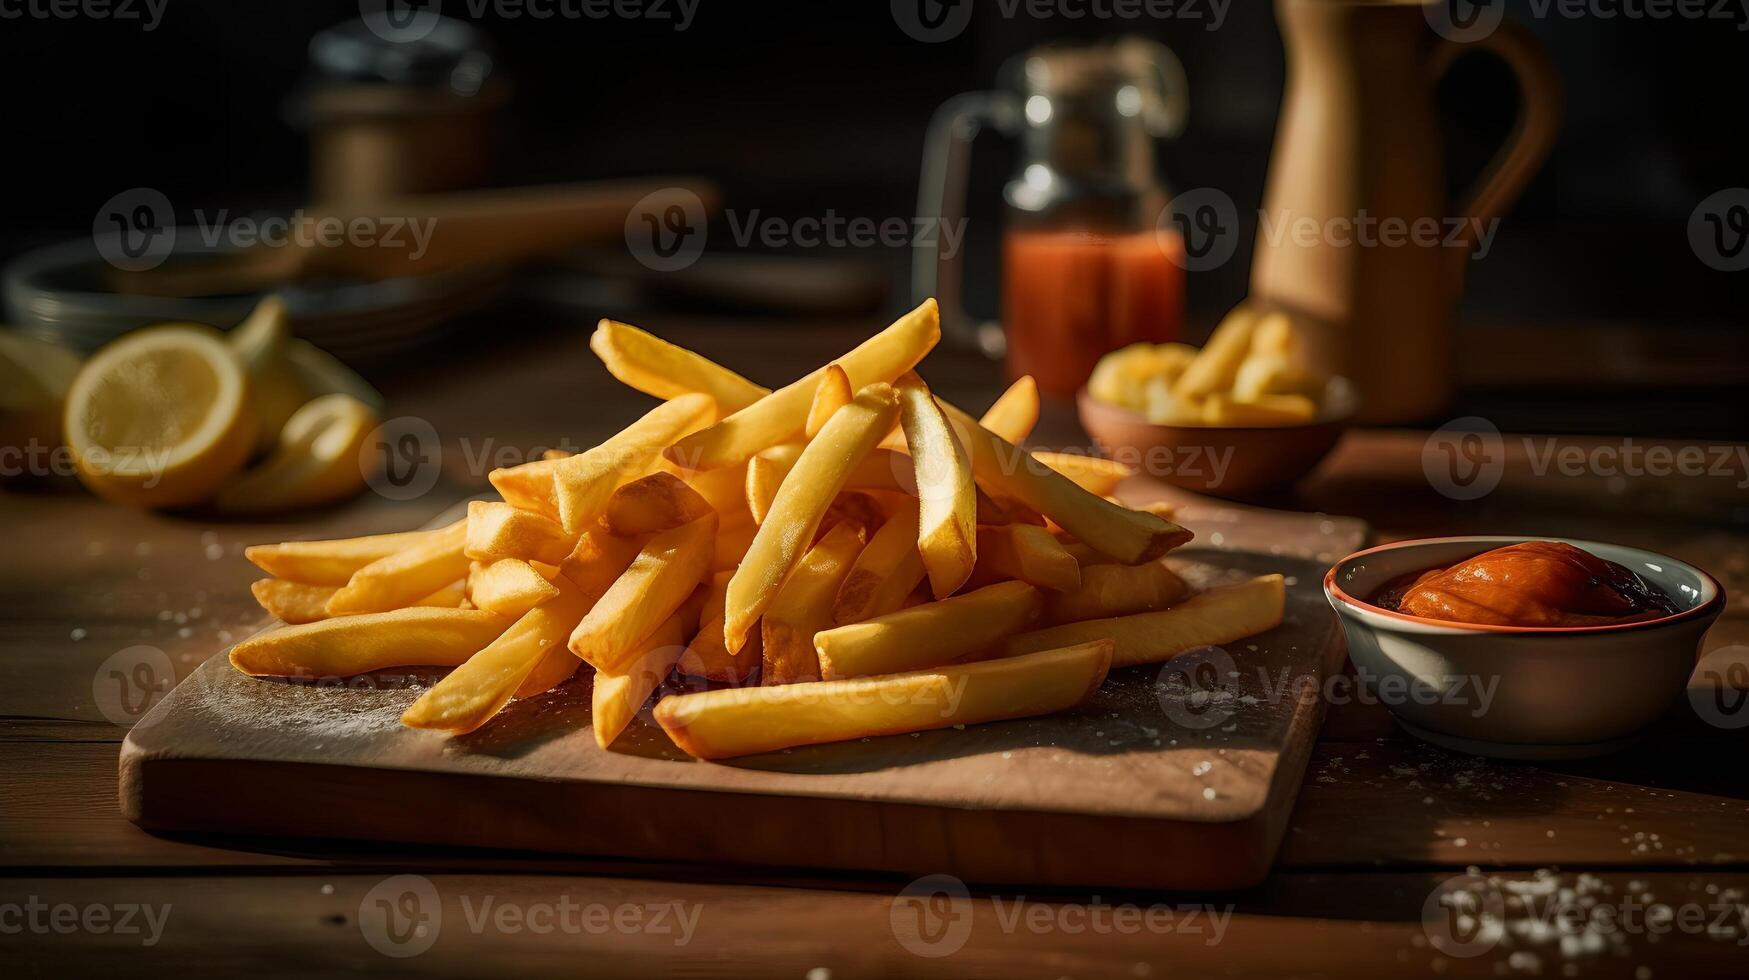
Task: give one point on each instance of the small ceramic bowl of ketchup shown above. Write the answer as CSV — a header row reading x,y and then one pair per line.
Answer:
x,y
1523,648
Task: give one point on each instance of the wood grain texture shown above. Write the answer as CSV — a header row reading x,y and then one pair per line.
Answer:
x,y
1128,789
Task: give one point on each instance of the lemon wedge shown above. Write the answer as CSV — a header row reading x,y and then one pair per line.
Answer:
x,y
161,417
316,461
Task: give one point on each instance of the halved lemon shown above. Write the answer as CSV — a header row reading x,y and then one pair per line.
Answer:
x,y
161,417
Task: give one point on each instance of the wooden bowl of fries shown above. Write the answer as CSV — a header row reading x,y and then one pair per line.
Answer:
x,y
1249,413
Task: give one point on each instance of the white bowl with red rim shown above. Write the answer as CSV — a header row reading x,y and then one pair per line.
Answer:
x,y
1518,692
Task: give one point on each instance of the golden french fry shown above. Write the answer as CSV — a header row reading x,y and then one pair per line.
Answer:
x,y
725,489
347,645
511,587
1265,410
582,483
1272,374
293,602
803,607
765,475
731,546
405,577
593,566
1026,552
655,503
618,695
1218,363
529,486
947,520
807,492
885,573
1095,475
475,691
1087,557
498,530
1213,617
663,575
450,596
656,367
332,562
1115,590
705,655
1130,536
1013,414
861,509
782,415
960,628
748,720
833,394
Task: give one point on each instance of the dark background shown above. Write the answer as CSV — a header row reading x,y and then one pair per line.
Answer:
x,y
797,107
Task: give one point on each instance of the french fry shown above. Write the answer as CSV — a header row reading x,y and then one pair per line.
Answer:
x,y
731,546
1026,552
886,571
332,562
471,694
947,520
765,475
582,483
963,627
884,469
803,607
656,367
293,602
1115,590
725,489
498,530
1265,410
511,587
705,655
451,596
593,566
854,507
654,503
782,415
663,575
349,645
801,503
529,486
1013,414
748,720
1130,536
1093,474
297,602
1085,556
833,394
404,577
617,695
1215,367
1213,617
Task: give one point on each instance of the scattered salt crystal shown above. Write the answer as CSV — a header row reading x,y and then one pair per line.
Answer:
x,y
78,633
214,552
1208,792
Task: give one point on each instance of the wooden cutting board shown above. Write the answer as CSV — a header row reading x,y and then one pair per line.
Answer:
x,y
1172,776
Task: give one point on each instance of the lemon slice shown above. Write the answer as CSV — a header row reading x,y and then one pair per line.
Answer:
x,y
160,418
317,460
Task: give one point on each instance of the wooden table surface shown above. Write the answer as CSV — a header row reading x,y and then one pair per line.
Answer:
x,y
1636,865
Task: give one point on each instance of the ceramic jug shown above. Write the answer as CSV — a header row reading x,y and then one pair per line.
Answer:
x,y
1356,236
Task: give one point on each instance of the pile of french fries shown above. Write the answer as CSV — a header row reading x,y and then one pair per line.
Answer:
x,y
845,556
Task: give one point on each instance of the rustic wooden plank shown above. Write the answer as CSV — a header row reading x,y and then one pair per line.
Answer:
x,y
463,926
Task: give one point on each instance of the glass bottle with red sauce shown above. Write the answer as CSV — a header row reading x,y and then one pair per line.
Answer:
x,y
1088,262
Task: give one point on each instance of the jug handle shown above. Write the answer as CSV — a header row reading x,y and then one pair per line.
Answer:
x,y
941,194
1533,134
